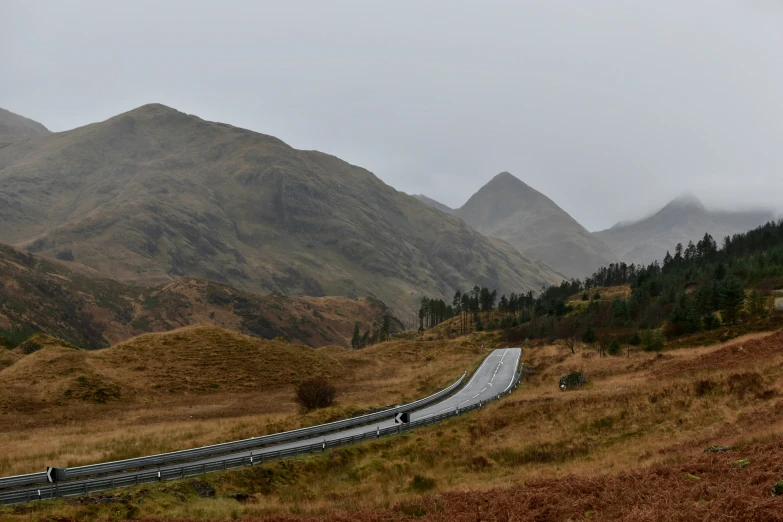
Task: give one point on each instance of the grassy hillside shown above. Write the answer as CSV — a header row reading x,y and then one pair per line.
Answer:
x,y
73,302
152,195
193,386
630,445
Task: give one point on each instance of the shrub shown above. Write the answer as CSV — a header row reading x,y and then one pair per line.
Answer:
x,y
421,483
573,379
653,340
315,392
711,321
635,339
588,336
703,387
614,347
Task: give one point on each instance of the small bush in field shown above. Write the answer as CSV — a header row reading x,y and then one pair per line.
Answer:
x,y
315,392
421,483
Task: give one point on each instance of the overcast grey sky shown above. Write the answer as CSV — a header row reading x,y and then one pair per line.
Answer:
x,y
611,108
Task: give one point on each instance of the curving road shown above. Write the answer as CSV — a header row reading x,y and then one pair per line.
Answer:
x,y
495,375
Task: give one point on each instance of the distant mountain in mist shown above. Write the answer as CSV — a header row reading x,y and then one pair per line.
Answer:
x,y
508,209
15,128
683,219
434,204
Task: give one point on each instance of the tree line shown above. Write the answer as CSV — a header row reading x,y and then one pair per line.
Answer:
x,y
699,287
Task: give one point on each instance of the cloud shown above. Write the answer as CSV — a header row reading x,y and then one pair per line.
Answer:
x,y
611,108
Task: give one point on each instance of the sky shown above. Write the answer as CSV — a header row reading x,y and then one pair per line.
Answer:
x,y
610,108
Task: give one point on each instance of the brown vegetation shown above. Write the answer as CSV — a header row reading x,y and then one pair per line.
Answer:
x,y
75,303
315,392
193,386
628,446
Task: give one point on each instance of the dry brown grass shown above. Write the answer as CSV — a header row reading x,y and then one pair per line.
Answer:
x,y
193,386
609,450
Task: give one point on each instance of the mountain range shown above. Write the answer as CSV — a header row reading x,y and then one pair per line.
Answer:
x,y
682,220
509,209
154,194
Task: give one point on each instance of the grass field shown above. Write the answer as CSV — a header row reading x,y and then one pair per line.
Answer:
x,y
645,415
195,386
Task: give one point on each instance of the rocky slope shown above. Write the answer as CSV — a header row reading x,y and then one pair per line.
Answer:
x,y
683,219
509,209
155,194
73,302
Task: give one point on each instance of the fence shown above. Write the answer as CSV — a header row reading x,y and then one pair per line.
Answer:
x,y
144,477
226,447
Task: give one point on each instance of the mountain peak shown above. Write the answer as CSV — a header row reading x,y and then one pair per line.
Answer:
x,y
509,209
686,200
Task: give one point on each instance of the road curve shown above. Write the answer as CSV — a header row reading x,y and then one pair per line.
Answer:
x,y
495,375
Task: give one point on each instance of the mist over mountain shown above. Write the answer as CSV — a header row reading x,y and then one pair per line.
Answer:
x,y
683,219
508,209
154,194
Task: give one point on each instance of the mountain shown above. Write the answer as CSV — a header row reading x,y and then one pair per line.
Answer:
x,y
154,194
14,128
509,209
434,204
683,219
74,303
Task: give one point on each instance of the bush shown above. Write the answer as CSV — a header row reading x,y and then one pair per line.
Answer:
x,y
573,379
421,483
635,339
588,337
703,387
315,392
613,348
711,322
653,340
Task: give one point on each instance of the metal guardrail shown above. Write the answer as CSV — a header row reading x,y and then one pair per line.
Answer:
x,y
67,489
225,447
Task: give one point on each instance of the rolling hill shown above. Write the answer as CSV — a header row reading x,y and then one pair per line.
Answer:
x,y
154,194
75,303
683,219
532,223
